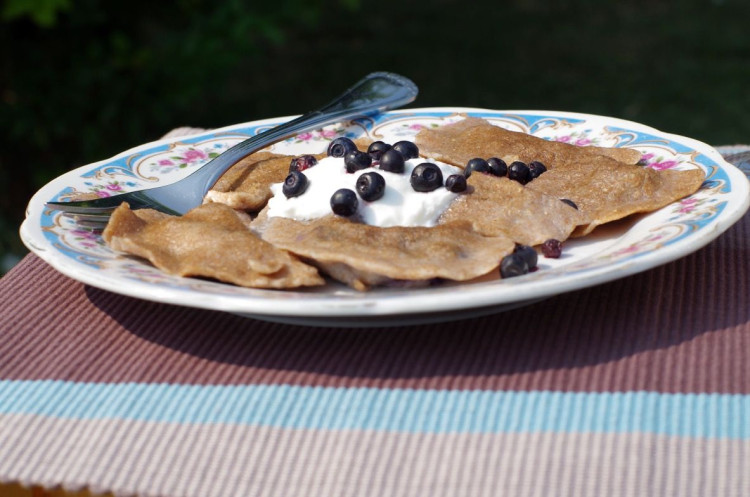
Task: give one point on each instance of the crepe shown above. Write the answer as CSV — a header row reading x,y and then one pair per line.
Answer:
x,y
211,241
362,256
472,137
496,206
604,183
472,236
605,190
246,185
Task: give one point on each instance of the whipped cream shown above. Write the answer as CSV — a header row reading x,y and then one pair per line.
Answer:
x,y
400,205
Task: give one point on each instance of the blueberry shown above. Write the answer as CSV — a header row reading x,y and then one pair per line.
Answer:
x,y
519,171
376,149
370,186
498,167
478,165
295,184
344,202
302,162
426,177
569,202
408,149
340,147
552,248
356,160
536,168
456,183
392,161
513,265
528,253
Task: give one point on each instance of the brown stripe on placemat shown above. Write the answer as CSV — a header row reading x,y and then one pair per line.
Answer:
x,y
683,327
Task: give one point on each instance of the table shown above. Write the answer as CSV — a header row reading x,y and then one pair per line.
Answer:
x,y
637,387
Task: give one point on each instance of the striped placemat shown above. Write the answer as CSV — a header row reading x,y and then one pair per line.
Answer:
x,y
639,387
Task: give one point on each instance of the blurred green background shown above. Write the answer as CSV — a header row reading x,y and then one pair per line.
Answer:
x,y
82,80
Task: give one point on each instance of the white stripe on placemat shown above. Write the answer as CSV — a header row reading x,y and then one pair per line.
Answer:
x,y
156,458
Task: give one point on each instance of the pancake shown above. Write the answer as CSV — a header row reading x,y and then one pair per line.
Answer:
x,y
246,185
363,256
472,137
604,183
210,241
605,190
499,206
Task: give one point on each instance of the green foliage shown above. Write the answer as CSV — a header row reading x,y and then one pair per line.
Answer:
x,y
41,12
82,80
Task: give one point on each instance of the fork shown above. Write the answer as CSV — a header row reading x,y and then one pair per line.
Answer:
x,y
374,93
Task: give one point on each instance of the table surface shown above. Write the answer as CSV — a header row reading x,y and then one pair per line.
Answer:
x,y
632,388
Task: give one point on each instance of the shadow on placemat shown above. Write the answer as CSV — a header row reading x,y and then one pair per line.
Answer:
x,y
675,310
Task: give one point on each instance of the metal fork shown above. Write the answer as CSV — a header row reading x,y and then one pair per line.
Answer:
x,y
374,93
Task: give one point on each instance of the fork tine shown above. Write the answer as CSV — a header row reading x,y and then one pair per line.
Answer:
x,y
93,206
94,225
91,218
141,199
79,207
88,220
94,222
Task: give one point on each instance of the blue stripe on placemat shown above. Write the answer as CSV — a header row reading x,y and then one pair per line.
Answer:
x,y
414,411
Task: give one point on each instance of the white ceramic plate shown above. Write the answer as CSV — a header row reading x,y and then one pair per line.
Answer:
x,y
611,252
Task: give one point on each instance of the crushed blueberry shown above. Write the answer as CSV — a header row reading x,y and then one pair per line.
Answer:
x,y
392,161
426,177
569,202
340,147
295,184
552,248
370,186
513,265
519,171
356,160
498,167
408,149
302,162
344,202
456,183
477,164
528,253
536,168
376,149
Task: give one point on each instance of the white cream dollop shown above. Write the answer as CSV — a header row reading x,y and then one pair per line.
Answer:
x,y
400,205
